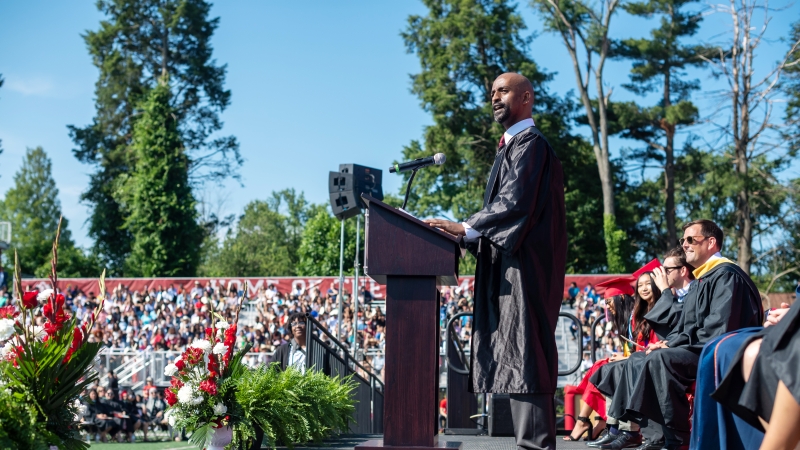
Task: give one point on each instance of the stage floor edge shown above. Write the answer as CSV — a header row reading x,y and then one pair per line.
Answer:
x,y
348,442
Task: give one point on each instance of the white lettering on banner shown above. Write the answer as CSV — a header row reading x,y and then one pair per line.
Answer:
x,y
254,289
465,283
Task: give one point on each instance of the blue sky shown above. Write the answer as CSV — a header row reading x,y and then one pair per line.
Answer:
x,y
314,84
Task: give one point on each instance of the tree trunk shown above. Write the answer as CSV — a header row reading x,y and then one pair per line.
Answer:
x,y
669,190
669,171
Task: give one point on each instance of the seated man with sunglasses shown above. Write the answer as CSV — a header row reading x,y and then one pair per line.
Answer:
x,y
654,383
293,353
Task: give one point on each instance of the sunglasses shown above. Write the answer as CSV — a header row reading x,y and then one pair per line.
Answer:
x,y
298,324
668,269
692,240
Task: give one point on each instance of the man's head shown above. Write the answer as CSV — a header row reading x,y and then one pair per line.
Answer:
x,y
679,272
701,239
512,99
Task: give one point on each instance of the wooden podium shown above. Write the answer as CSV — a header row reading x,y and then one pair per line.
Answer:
x,y
411,258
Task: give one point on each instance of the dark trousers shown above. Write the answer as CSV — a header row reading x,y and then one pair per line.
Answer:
x,y
534,417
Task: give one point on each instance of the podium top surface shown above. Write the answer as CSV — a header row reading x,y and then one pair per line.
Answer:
x,y
371,200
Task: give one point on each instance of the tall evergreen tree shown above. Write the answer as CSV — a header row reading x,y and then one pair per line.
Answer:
x,y
141,41
156,197
658,63
33,208
462,47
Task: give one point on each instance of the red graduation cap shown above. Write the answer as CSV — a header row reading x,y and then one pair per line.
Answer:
x,y
617,286
647,268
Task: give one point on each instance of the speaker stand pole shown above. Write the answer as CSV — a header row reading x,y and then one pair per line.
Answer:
x,y
356,288
340,295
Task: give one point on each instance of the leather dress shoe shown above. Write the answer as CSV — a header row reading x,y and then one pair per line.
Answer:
x,y
675,447
623,440
647,445
604,438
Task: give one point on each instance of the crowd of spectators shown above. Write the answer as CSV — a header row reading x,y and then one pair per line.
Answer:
x,y
589,306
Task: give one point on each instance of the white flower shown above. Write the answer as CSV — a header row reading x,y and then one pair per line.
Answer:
x,y
38,333
202,344
222,325
220,409
197,400
186,394
44,295
170,370
6,329
220,348
6,349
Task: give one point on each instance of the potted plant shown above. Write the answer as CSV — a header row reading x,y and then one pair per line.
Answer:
x,y
201,396
48,366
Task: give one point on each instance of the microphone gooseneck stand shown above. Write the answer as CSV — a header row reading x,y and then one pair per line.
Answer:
x,y
408,188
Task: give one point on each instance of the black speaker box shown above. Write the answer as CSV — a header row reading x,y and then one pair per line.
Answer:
x,y
338,181
500,423
344,204
366,180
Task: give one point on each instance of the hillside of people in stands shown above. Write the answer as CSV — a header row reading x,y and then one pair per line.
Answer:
x,y
169,319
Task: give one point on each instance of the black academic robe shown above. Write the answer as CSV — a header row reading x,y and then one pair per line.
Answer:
x,y
665,314
654,386
778,360
519,277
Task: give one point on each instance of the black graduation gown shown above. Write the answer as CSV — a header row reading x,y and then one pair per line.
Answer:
x,y
519,277
654,386
665,315
778,360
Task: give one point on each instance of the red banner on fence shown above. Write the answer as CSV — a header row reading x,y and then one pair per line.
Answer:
x,y
283,284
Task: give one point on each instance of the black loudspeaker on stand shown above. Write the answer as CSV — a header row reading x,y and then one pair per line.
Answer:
x,y
347,185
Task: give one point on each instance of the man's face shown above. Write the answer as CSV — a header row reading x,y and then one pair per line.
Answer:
x,y
674,270
701,248
508,99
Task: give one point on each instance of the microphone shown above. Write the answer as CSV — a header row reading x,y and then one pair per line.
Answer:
x,y
418,163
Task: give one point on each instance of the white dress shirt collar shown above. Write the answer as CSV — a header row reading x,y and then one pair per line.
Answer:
x,y
515,129
683,291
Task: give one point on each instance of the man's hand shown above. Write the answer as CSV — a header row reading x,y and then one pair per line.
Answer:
x,y
660,277
454,228
656,346
776,315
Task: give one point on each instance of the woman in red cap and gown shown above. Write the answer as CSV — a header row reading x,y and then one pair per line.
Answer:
x,y
627,317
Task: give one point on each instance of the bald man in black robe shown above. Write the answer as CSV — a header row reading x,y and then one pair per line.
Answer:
x,y
519,239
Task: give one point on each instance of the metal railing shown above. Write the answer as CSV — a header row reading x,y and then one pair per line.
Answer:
x,y
462,353
333,359
133,368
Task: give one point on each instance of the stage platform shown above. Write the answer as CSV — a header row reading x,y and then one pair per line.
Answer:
x,y
349,442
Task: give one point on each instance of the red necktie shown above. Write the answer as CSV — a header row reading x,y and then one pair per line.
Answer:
x,y
502,141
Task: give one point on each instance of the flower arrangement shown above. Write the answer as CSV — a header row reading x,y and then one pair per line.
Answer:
x,y
201,397
48,365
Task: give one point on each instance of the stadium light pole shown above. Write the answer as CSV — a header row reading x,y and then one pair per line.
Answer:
x,y
355,287
341,284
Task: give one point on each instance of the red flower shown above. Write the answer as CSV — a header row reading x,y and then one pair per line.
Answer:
x,y
209,333
192,355
176,383
51,328
180,364
209,386
170,397
77,340
29,299
8,312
